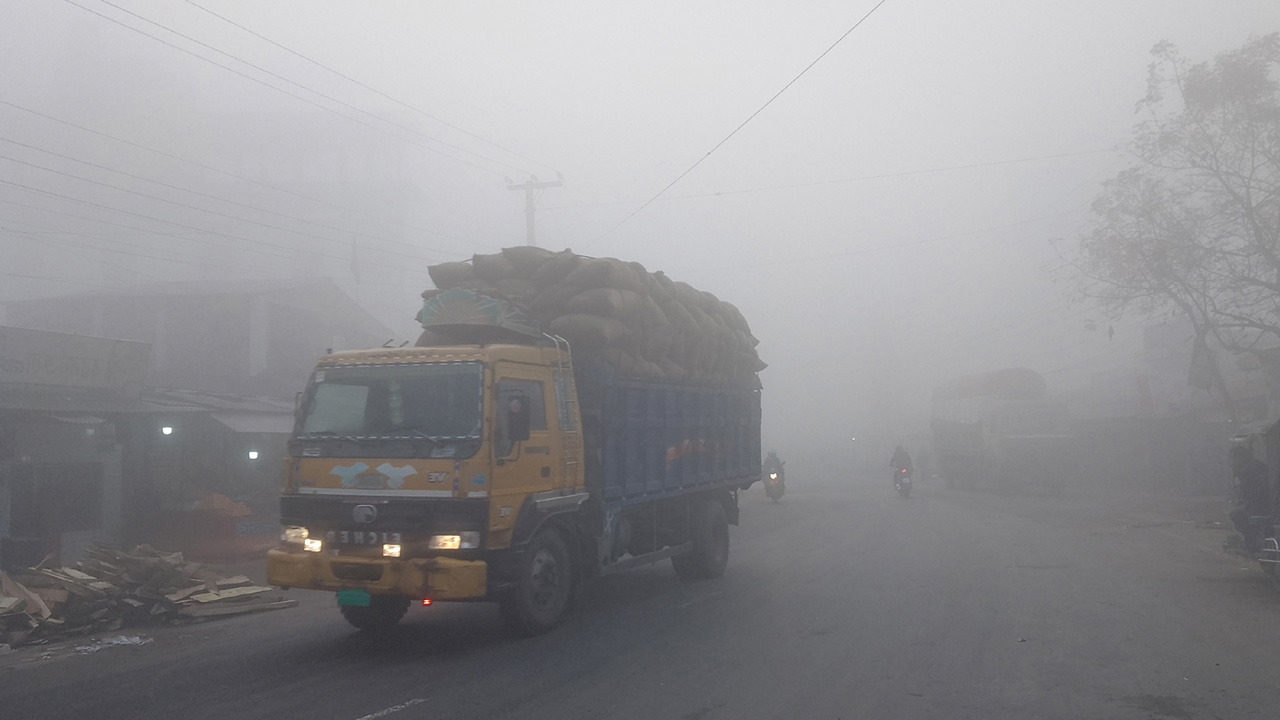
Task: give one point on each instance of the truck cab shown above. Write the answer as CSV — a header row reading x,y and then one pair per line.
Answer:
x,y
412,470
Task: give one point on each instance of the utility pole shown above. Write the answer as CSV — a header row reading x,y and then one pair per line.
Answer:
x,y
532,191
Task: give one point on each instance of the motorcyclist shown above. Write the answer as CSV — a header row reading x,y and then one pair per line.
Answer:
x,y
772,463
900,461
771,472
1254,500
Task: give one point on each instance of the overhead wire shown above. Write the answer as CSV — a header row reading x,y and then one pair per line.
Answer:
x,y
779,262
286,92
741,125
178,260
839,181
288,250
356,233
236,176
367,87
63,245
197,208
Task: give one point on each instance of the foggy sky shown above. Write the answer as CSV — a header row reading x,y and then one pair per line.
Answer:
x,y
883,224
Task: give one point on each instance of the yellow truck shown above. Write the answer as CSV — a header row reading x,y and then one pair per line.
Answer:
x,y
503,471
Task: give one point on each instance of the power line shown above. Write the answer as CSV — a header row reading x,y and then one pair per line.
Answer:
x,y
743,124
175,260
887,248
200,194
311,90
286,92
838,181
43,241
242,178
200,230
197,208
367,87
188,261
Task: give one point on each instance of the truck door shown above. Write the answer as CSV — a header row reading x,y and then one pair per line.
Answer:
x,y
525,466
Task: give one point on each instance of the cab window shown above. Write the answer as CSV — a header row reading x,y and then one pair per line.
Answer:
x,y
527,391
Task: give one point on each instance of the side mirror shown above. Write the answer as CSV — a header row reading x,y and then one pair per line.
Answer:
x,y
518,418
297,403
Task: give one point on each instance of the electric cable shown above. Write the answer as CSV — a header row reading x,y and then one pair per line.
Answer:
x,y
242,178
743,124
367,87
282,90
204,195
288,250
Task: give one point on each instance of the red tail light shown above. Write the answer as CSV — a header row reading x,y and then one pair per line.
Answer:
x,y
426,602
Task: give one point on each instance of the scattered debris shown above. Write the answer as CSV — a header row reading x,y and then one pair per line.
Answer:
x,y
112,642
110,589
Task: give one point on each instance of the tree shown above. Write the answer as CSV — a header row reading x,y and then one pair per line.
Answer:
x,y
1192,227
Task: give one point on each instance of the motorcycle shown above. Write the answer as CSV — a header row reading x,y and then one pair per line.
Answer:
x,y
774,484
1261,543
902,482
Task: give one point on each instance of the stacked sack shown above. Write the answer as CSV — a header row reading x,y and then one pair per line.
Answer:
x,y
644,324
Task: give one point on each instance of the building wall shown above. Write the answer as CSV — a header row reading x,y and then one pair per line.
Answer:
x,y
237,343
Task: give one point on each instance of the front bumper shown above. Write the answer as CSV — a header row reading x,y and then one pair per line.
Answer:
x,y
437,578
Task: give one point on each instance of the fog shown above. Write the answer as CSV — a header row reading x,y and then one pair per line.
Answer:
x,y
884,224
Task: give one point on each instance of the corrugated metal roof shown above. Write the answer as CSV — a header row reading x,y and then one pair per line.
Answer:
x,y
248,422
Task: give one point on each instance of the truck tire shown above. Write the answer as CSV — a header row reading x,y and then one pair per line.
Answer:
x,y
382,613
544,586
710,536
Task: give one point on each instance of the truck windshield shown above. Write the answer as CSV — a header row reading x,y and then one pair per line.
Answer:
x,y
437,402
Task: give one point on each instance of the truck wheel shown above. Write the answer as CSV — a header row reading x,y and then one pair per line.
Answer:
x,y
544,586
382,613
710,552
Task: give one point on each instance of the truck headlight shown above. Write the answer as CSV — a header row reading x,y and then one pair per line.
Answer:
x,y
391,551
294,535
462,541
312,545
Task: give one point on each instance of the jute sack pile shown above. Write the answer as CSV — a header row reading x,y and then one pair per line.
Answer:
x,y
644,324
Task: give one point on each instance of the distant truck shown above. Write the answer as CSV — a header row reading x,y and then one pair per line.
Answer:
x,y
498,461
1001,429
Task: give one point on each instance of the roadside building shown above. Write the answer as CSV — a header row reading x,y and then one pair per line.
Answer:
x,y
251,338
62,481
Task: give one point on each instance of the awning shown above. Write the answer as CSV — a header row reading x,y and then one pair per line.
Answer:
x,y
252,422
65,400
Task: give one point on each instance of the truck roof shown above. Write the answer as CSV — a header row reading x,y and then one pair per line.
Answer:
x,y
448,353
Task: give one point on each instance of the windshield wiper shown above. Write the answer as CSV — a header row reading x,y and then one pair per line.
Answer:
x,y
333,434
433,439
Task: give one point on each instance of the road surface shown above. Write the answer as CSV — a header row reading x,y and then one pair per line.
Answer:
x,y
842,601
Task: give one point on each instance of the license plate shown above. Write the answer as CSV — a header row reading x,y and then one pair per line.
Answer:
x,y
354,598
367,538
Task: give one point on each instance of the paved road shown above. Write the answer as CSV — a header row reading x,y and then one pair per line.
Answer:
x,y
843,601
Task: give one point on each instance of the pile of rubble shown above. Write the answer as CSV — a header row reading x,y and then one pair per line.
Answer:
x,y
110,589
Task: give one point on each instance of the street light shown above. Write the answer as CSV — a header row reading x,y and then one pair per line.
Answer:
x,y
253,454
166,430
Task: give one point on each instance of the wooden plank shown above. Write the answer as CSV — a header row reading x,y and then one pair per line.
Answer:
x,y
184,594
232,594
51,596
12,588
75,574
210,611
234,582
